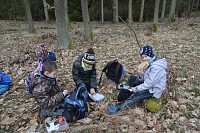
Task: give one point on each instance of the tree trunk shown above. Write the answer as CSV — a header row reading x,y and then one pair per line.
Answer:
x,y
102,17
142,10
115,11
45,10
172,10
197,4
86,20
29,16
61,13
155,20
163,10
130,12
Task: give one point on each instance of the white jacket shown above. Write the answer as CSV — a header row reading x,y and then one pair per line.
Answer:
x,y
155,77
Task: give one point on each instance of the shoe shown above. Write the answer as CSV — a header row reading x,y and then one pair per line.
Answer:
x,y
112,110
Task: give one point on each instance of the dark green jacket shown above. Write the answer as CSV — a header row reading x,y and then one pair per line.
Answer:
x,y
83,76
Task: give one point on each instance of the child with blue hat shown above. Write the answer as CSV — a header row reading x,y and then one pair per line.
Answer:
x,y
150,82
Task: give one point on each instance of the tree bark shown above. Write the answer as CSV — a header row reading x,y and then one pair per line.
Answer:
x,y
86,19
130,12
102,17
163,10
197,4
142,10
172,10
155,20
115,11
61,13
45,10
29,16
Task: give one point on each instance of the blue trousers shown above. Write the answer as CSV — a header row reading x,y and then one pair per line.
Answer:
x,y
135,98
132,100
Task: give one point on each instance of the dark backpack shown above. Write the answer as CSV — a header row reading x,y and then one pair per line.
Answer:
x,y
114,71
76,104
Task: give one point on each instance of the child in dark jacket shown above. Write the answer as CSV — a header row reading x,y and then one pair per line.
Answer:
x,y
43,55
46,92
84,71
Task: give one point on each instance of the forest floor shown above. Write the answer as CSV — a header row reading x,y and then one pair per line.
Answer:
x,y
178,42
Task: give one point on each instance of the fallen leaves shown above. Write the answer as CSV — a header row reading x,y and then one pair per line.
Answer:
x,y
180,47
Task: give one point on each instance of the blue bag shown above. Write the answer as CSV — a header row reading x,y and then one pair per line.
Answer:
x,y
76,104
5,79
5,82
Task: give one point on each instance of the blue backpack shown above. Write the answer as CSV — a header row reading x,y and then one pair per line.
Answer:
x,y
5,82
76,104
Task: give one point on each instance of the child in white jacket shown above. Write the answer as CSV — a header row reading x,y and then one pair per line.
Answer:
x,y
154,81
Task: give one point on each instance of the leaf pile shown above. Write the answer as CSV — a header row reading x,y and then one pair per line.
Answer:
x,y
178,42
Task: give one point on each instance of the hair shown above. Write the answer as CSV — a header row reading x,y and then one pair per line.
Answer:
x,y
90,49
49,66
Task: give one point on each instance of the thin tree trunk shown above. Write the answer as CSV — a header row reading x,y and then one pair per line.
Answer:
x,y
163,10
115,11
172,10
155,20
189,6
102,17
45,10
197,4
62,22
142,10
192,6
14,4
86,19
29,16
130,13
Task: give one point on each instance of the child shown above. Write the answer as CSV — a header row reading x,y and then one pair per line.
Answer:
x,y
43,55
46,92
84,71
153,81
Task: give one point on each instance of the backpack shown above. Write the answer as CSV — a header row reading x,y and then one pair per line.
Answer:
x,y
76,104
5,79
114,71
5,83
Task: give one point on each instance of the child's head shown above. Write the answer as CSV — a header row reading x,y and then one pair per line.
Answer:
x,y
41,51
89,58
49,69
147,53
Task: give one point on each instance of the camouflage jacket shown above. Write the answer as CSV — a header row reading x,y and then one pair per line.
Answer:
x,y
83,76
46,93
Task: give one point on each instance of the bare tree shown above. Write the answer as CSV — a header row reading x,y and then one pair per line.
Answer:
x,y
86,19
115,11
142,10
45,10
102,17
61,12
29,16
197,6
163,10
130,12
155,20
172,10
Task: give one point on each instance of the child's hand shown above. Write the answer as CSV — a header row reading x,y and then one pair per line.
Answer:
x,y
65,92
139,71
92,91
134,90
